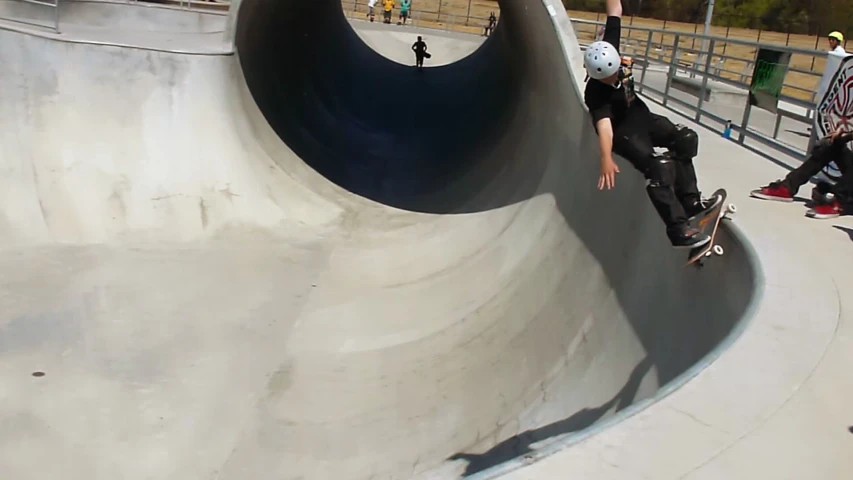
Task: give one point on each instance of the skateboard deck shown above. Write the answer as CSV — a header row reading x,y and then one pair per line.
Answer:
x,y
709,222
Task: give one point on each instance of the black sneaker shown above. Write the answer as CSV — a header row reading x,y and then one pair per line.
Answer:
x,y
690,238
702,206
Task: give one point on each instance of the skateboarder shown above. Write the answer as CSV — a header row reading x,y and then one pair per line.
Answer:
x,y
830,200
420,49
626,126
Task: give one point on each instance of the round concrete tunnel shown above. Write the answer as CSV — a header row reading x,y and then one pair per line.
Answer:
x,y
425,141
501,127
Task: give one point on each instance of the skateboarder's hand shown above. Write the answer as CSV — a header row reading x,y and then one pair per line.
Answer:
x,y
609,169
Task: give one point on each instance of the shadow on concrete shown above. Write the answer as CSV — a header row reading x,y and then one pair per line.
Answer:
x,y
847,230
805,134
521,444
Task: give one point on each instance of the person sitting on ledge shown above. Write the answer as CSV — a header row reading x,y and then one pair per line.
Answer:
x,y
829,200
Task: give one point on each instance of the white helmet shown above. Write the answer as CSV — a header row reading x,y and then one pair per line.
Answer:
x,y
601,60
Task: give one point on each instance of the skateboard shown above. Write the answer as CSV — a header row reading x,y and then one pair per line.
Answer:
x,y
709,222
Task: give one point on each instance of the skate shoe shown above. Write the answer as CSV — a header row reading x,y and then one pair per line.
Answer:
x,y
827,210
689,238
701,206
775,191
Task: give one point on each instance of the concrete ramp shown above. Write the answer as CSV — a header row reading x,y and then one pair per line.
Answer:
x,y
303,259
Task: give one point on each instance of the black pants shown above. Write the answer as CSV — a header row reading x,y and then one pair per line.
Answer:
x,y
821,156
670,179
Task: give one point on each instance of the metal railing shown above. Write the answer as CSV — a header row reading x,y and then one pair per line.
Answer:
x,y
683,74
190,4
53,4
728,25
199,5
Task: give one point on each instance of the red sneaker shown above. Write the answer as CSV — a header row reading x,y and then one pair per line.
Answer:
x,y
829,210
775,191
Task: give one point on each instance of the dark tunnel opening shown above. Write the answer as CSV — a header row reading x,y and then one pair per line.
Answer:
x,y
421,141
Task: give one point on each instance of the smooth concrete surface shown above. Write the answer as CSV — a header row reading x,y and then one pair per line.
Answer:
x,y
113,15
202,302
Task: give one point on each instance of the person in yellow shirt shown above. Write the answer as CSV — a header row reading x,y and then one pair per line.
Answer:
x,y
388,5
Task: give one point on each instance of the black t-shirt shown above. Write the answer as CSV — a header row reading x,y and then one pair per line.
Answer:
x,y
618,102
419,47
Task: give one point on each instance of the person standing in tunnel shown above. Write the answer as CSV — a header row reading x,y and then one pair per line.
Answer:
x,y
626,126
420,49
493,20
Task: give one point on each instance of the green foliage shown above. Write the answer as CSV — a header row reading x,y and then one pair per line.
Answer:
x,y
795,16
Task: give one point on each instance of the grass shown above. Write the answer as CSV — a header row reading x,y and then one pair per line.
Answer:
x,y
455,15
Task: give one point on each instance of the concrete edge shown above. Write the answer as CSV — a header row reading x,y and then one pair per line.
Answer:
x,y
741,240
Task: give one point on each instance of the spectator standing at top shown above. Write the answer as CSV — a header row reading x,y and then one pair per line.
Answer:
x,y
371,9
388,6
836,42
405,6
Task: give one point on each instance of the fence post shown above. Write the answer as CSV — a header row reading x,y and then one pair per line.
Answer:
x,y
816,46
709,55
646,63
468,17
695,31
56,16
748,110
673,68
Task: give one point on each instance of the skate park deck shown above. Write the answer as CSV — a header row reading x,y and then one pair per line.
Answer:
x,y
204,303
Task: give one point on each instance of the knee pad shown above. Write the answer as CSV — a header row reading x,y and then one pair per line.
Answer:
x,y
685,144
661,173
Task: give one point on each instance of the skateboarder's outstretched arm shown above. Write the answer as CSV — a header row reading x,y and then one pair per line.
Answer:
x,y
614,8
601,114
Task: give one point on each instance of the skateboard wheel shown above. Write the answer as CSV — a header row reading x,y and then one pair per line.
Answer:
x,y
731,208
718,249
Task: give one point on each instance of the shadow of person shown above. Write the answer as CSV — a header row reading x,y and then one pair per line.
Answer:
x,y
520,444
